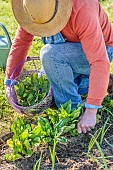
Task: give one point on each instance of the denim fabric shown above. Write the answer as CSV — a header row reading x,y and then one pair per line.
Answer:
x,y
55,39
68,70
110,53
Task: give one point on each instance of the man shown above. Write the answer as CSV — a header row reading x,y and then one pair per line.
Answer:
x,y
77,53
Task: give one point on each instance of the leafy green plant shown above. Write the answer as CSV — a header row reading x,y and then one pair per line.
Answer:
x,y
65,119
107,104
48,130
24,139
32,89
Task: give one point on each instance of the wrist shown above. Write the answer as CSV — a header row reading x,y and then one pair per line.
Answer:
x,y
8,82
91,111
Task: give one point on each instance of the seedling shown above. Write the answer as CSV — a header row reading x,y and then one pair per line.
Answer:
x,y
104,130
38,163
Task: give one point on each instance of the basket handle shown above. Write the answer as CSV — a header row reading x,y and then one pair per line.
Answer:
x,y
16,68
7,34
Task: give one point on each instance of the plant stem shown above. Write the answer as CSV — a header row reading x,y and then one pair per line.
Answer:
x,y
38,162
102,154
53,152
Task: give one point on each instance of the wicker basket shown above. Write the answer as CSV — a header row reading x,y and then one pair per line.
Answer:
x,y
38,107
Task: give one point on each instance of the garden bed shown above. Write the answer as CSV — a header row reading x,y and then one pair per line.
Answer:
x,y
70,156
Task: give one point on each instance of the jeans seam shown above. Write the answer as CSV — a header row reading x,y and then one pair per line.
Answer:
x,y
58,82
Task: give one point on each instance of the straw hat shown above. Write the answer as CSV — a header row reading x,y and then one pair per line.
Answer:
x,y
42,17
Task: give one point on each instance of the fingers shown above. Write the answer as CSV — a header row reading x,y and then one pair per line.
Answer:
x,y
81,128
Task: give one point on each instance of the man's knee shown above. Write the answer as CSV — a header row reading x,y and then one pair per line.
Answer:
x,y
45,54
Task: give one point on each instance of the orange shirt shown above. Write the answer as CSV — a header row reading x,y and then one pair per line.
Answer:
x,y
89,25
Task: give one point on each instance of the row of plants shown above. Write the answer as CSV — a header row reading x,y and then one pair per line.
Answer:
x,y
50,128
51,125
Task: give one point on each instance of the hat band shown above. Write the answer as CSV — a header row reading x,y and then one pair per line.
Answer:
x,y
56,8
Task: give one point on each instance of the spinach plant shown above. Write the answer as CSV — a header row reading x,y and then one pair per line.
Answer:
x,y
50,129
32,90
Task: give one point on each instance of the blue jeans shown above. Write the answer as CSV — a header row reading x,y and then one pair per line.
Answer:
x,y
68,70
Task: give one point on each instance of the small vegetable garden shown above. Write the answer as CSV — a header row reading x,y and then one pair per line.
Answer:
x,y
49,140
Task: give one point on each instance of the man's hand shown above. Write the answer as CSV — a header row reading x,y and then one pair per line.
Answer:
x,y
10,93
87,121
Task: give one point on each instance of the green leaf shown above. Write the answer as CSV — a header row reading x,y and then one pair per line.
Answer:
x,y
7,157
44,87
73,132
75,113
29,151
44,123
37,130
21,89
19,122
47,140
27,144
24,152
24,135
52,112
13,128
66,129
63,113
18,144
12,157
34,78
93,139
66,106
25,95
61,139
30,97
37,139
62,123
10,143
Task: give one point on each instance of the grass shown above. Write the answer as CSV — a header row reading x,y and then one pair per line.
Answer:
x,y
7,114
7,18
101,161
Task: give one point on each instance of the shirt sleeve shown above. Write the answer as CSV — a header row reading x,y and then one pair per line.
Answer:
x,y
89,30
18,52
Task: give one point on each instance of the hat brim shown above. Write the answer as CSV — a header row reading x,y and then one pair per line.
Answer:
x,y
47,29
